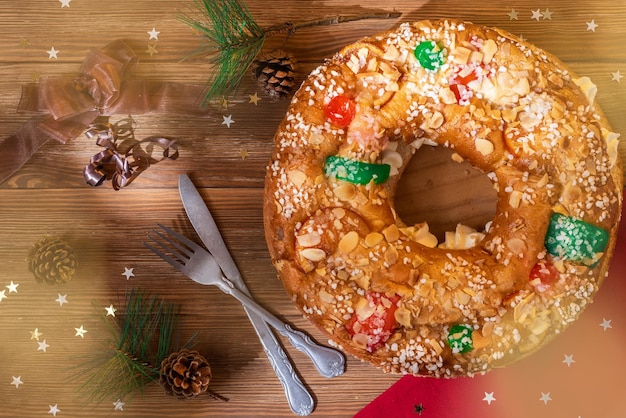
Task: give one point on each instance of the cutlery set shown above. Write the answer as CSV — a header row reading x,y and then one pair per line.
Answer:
x,y
215,266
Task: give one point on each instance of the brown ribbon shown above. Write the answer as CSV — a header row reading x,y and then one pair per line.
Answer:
x,y
103,87
123,158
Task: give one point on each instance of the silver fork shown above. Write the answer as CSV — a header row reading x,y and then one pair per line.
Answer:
x,y
199,265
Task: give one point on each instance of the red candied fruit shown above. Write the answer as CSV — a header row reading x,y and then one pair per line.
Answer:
x,y
340,110
463,76
543,275
378,326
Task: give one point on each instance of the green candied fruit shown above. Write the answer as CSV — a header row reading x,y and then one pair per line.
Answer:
x,y
575,240
460,338
354,171
430,55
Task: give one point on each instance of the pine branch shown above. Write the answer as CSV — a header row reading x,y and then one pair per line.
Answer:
x,y
120,376
234,39
143,335
291,28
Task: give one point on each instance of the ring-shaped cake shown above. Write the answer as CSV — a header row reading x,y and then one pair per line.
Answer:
x,y
390,293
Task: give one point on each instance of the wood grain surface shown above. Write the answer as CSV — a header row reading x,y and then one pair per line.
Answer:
x,y
107,228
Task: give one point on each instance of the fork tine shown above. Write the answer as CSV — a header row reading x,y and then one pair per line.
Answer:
x,y
184,253
176,264
169,252
191,246
180,248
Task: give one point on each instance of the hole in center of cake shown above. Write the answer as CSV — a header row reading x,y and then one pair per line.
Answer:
x,y
444,193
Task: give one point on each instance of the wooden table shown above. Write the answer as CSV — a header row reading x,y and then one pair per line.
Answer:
x,y
106,228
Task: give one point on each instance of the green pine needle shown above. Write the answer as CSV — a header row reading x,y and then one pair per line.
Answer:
x,y
144,334
117,377
234,40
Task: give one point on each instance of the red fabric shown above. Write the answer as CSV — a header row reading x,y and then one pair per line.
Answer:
x,y
592,386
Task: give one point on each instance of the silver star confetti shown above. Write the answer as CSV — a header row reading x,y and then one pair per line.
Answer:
x,y
118,405
606,324
228,120
43,346
489,398
569,359
52,53
110,310
80,332
616,76
61,299
153,34
591,26
17,381
128,273
536,15
54,409
545,397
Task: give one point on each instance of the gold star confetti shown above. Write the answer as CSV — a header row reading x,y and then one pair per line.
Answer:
x,y
24,43
34,335
254,99
547,14
224,102
35,76
244,153
152,50
513,15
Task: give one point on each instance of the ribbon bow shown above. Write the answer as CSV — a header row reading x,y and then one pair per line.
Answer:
x,y
103,87
123,158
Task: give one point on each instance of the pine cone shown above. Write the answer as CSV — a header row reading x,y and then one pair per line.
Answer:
x,y
275,71
52,261
185,374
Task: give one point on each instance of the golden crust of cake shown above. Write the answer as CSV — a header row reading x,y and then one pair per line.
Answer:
x,y
389,293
